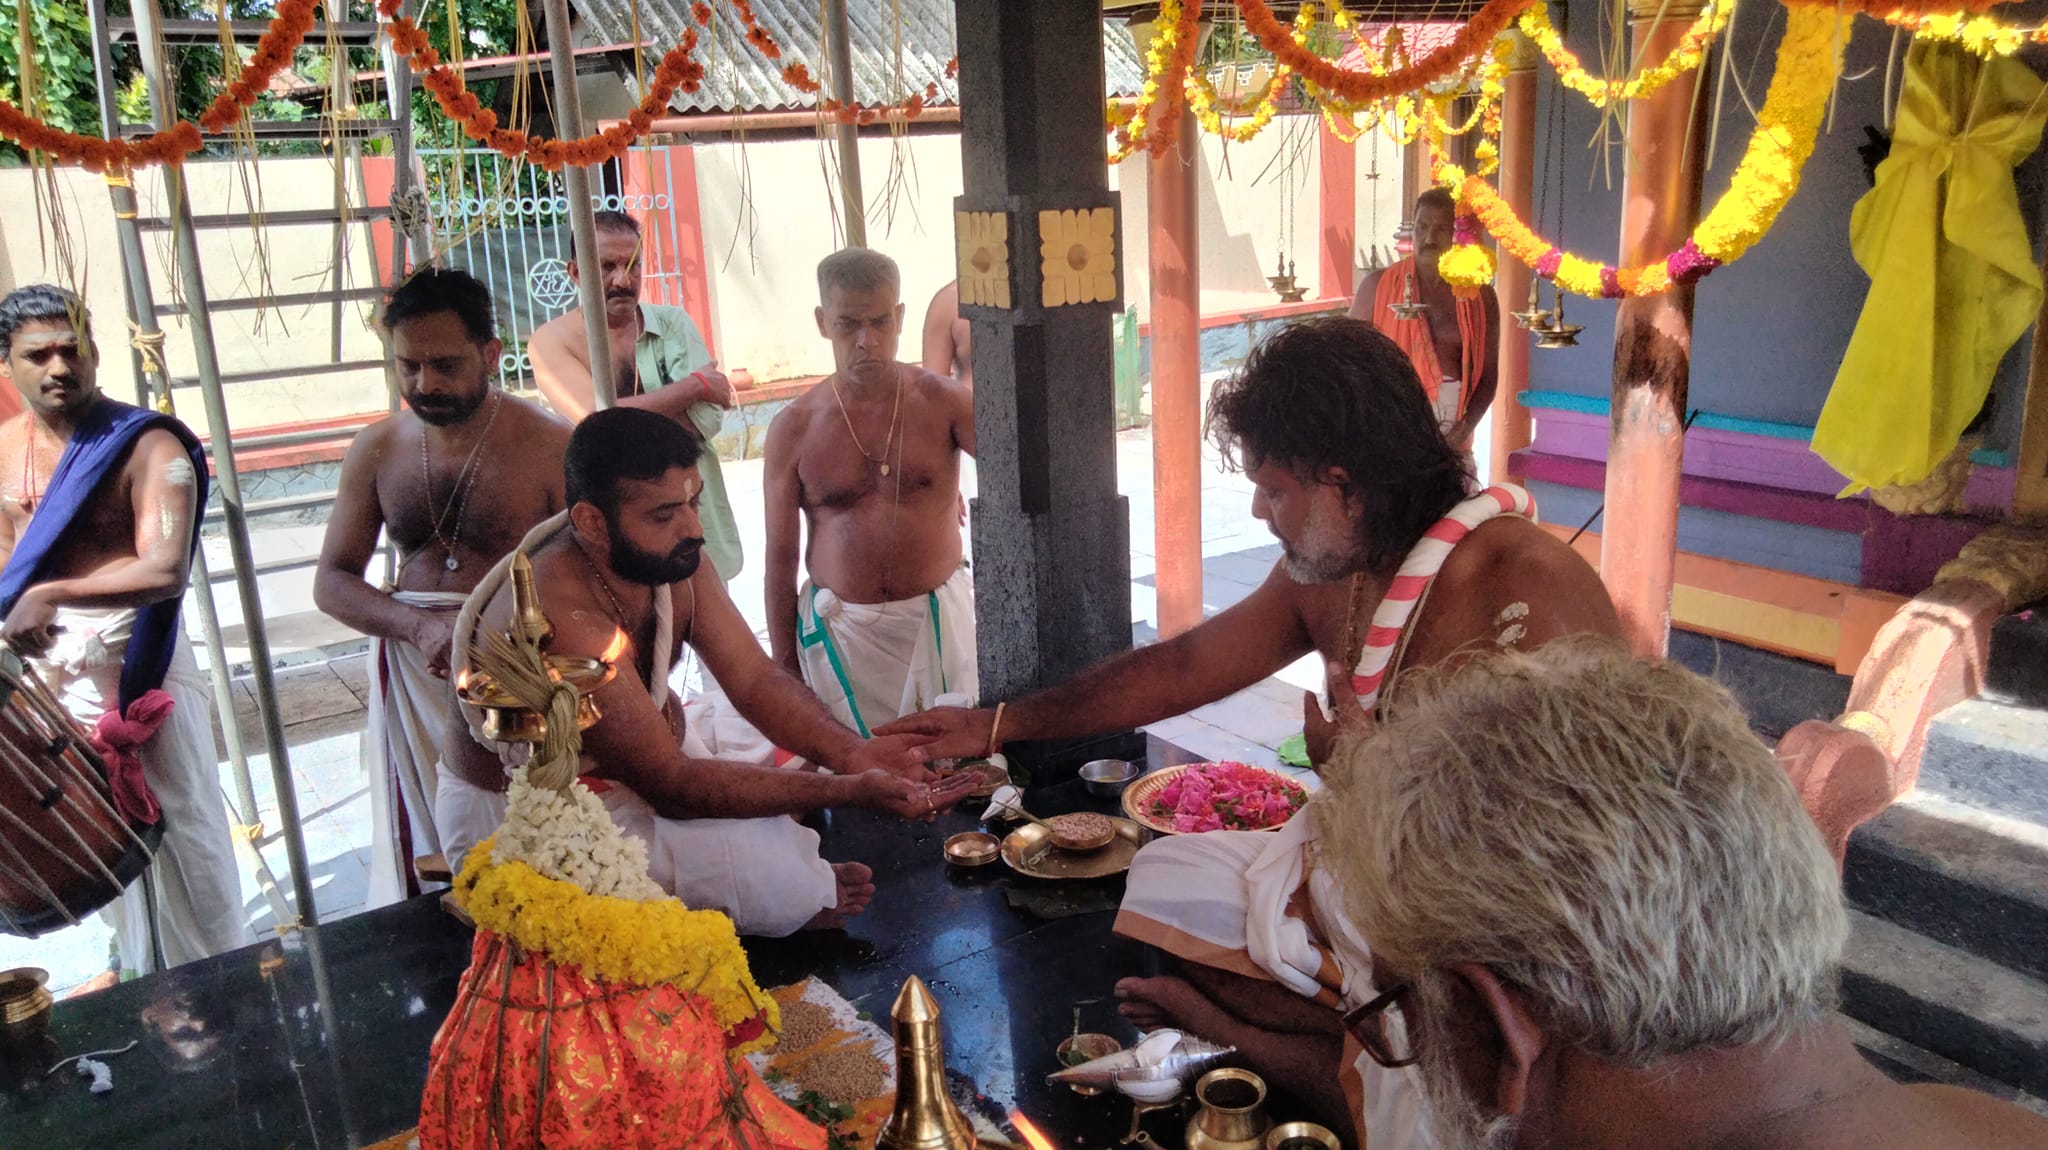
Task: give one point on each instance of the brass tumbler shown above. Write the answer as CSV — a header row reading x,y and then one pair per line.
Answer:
x,y
1231,1112
925,1117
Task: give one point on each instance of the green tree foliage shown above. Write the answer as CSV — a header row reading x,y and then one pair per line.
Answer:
x,y
62,36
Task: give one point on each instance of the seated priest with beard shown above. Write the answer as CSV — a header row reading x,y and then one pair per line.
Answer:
x,y
622,567
1600,919
1389,564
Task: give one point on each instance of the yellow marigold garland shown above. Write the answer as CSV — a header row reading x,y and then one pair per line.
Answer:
x,y
1787,125
1256,111
618,940
1685,57
1979,34
1155,119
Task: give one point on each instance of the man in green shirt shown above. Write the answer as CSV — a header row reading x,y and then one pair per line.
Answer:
x,y
661,364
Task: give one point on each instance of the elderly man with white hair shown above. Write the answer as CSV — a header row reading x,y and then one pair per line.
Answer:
x,y
1600,918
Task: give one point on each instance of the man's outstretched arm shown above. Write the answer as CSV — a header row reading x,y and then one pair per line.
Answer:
x,y
1226,654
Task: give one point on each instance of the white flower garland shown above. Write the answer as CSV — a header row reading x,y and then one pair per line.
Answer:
x,y
571,837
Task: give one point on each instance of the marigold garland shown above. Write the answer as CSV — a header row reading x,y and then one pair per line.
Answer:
x,y
798,75
677,70
274,51
618,940
1600,91
1978,34
1787,125
1155,118
1256,111
1366,87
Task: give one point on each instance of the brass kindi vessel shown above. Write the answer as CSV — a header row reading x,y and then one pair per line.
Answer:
x,y
925,1117
505,719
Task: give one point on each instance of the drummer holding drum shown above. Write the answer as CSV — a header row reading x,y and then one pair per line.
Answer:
x,y
99,516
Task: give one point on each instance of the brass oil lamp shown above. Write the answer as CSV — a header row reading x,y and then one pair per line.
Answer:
x,y
1408,307
1554,333
505,719
1283,283
1535,317
925,1117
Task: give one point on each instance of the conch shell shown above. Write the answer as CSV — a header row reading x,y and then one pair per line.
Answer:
x,y
1162,1056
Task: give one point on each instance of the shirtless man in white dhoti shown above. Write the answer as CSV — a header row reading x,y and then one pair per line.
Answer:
x,y
1387,565
99,516
454,481
869,462
620,578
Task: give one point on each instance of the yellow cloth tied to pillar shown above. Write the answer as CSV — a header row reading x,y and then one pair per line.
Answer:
x,y
1952,276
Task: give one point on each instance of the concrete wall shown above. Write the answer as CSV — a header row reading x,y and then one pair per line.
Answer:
x,y
299,259
769,216
1770,330
768,213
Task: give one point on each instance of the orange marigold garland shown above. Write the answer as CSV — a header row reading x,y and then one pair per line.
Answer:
x,y
798,75
1363,87
677,70
274,51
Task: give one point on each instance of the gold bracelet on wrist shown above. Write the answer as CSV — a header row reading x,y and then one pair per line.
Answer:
x,y
994,728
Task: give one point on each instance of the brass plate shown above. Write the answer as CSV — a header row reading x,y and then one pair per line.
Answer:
x,y
1139,795
993,777
1027,841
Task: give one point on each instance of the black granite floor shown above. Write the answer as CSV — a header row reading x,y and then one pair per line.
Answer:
x,y
320,1039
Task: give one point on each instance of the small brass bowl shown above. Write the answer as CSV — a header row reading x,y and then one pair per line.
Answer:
x,y
1301,1136
505,721
1076,1049
973,848
24,1004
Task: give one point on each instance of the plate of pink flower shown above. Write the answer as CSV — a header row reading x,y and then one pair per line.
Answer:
x,y
1213,797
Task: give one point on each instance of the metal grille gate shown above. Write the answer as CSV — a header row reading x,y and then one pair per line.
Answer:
x,y
507,224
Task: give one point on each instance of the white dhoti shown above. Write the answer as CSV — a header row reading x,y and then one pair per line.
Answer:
x,y
765,874
872,663
1234,900
412,716
198,887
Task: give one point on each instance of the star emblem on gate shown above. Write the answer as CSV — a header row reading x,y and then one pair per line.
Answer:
x,y
548,283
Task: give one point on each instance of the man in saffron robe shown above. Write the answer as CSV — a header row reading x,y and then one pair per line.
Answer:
x,y
99,515
1451,342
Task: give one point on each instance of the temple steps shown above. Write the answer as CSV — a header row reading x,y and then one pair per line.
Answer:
x,y
1948,956
1992,754
1966,1009
1971,880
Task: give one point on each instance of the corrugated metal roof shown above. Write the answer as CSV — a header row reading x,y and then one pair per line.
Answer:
x,y
739,78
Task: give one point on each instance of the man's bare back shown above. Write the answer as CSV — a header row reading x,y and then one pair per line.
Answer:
x,y
875,537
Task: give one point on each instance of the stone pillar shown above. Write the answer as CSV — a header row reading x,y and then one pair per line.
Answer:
x,y
1041,276
1511,430
1667,136
1337,215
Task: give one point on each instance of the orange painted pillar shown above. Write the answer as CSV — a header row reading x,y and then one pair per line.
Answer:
x,y
1338,203
1667,135
380,174
1511,430
657,198
1175,240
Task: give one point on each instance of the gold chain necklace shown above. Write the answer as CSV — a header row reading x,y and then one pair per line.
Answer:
x,y
458,495
618,611
881,460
